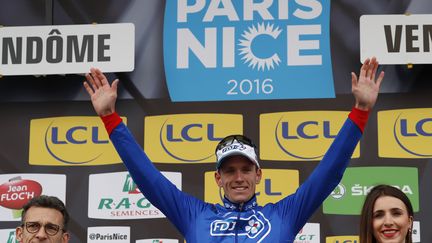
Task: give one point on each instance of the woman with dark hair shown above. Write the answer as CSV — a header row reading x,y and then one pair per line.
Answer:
x,y
387,216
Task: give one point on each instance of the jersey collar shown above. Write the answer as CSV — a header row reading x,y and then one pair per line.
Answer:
x,y
237,206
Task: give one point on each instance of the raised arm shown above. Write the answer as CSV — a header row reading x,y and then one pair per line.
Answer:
x,y
326,176
175,204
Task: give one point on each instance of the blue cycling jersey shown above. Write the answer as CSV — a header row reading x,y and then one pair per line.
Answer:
x,y
200,222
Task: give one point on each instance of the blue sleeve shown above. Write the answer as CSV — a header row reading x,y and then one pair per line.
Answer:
x,y
179,207
299,207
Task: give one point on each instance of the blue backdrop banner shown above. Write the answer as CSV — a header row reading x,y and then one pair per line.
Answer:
x,y
241,50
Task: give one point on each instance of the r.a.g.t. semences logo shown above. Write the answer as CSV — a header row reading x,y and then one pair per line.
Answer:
x,y
8,236
129,186
116,196
12,238
310,233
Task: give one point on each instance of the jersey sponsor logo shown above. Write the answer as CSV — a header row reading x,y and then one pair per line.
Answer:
x,y
188,138
299,136
246,50
349,195
405,133
343,239
17,189
275,184
120,198
70,141
256,226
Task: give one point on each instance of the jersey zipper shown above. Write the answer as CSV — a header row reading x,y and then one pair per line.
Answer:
x,y
237,222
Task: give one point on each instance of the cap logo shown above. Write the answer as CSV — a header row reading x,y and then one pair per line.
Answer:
x,y
240,147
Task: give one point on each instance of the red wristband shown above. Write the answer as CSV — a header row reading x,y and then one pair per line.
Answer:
x,y
359,117
111,121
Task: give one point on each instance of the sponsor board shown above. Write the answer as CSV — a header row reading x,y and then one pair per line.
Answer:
x,y
109,234
157,241
246,50
71,141
396,38
17,189
188,138
310,233
343,239
116,196
62,49
300,135
349,195
8,236
405,133
416,232
275,184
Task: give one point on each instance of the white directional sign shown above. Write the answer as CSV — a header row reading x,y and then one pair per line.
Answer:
x,y
397,39
63,49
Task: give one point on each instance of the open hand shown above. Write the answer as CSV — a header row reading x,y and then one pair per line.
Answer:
x,y
103,95
366,87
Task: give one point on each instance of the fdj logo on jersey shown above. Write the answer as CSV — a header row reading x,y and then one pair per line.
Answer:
x,y
255,227
244,50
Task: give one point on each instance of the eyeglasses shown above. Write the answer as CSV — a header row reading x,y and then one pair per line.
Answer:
x,y
230,140
34,227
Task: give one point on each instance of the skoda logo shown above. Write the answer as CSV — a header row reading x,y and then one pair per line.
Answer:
x,y
338,192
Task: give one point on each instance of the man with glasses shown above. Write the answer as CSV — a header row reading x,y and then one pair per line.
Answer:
x,y
44,219
240,218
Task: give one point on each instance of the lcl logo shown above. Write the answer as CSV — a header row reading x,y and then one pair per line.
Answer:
x,y
70,141
187,138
